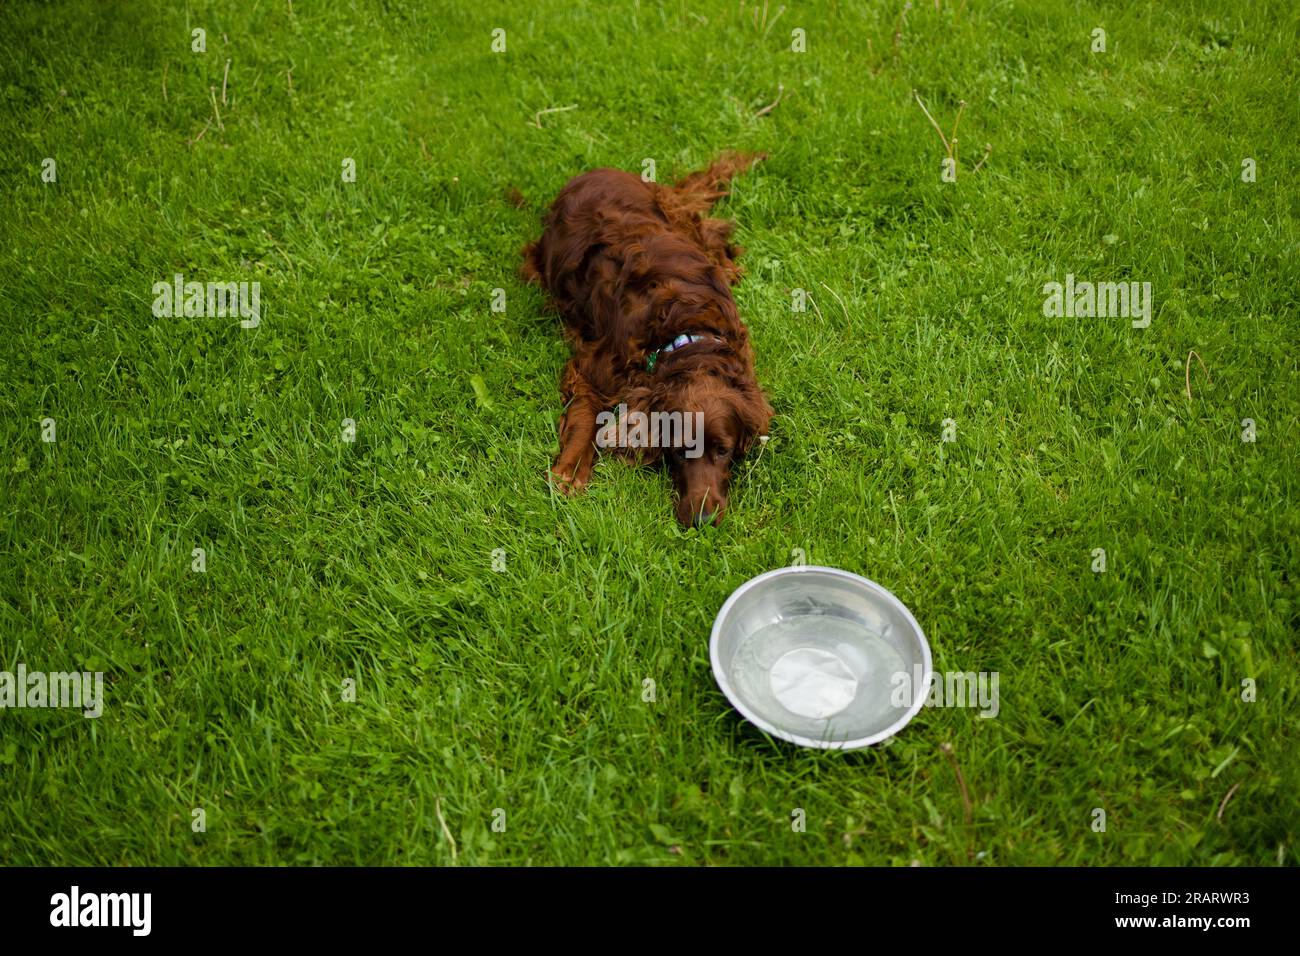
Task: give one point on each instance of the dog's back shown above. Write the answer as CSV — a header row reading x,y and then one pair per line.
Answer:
x,y
585,241
609,234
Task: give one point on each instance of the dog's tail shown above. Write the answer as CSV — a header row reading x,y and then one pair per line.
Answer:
x,y
699,191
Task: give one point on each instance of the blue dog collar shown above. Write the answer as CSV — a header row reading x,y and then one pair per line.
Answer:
x,y
680,342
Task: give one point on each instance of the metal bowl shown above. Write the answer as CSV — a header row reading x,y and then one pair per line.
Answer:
x,y
820,657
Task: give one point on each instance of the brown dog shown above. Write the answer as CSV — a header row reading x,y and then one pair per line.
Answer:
x,y
643,282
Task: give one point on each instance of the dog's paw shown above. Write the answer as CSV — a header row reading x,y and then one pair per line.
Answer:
x,y
570,481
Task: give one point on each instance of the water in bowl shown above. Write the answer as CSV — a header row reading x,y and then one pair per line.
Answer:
x,y
819,676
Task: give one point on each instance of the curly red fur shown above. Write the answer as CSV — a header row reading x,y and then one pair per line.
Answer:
x,y
630,265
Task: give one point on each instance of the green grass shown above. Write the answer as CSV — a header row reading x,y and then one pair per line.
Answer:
x,y
522,690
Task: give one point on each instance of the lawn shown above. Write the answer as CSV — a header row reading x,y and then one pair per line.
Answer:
x,y
396,644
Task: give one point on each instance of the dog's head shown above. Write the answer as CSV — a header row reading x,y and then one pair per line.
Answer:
x,y
711,413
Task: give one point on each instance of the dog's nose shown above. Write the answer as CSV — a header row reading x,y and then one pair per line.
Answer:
x,y
704,517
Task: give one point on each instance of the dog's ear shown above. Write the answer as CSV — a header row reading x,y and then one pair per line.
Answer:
x,y
645,400
755,415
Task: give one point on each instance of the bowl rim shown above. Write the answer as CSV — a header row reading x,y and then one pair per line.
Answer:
x,y
880,591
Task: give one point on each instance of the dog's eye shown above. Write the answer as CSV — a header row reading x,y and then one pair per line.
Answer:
x,y
723,452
